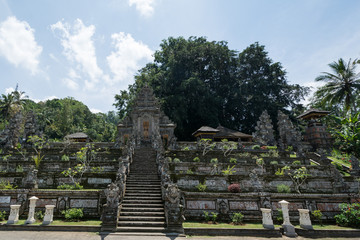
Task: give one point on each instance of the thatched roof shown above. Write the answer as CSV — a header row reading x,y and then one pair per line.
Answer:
x,y
313,113
229,133
205,129
76,136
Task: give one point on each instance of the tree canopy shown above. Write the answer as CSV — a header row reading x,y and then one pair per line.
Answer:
x,y
205,83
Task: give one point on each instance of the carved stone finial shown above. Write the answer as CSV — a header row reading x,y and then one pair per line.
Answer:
x,y
112,193
264,133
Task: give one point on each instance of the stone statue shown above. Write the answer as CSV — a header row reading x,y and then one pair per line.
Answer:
x,y
112,193
174,208
255,181
354,163
31,180
9,137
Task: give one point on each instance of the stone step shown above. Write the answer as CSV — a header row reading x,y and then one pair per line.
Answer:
x,y
143,191
150,214
142,209
143,218
140,185
143,205
140,229
130,198
143,187
142,201
147,181
127,194
141,224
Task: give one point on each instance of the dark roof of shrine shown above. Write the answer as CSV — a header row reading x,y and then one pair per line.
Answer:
x,y
229,133
205,129
77,135
313,113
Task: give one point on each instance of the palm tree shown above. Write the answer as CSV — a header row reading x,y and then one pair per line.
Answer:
x,y
341,85
12,103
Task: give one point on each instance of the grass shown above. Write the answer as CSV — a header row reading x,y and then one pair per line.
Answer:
x,y
257,226
63,223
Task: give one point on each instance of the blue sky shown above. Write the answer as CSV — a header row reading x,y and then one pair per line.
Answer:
x,y
90,50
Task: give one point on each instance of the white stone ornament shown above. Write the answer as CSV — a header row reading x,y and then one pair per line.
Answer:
x,y
32,205
305,221
266,218
14,214
49,214
289,229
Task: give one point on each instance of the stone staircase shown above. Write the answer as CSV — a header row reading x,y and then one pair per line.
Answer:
x,y
142,208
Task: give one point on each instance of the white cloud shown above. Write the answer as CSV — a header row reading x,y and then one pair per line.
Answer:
x,y
145,7
123,62
71,84
9,90
18,45
94,110
79,48
44,99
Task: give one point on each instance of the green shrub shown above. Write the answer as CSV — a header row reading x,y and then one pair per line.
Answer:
x,y
274,153
65,158
65,186
274,162
282,188
255,147
176,160
237,218
229,171
19,169
73,214
39,215
189,171
337,165
214,216
6,185
206,216
2,215
271,147
201,187
214,160
297,162
317,214
185,149
349,216
233,160
196,159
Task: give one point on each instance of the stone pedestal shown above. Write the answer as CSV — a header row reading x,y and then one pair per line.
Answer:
x,y
14,214
305,221
109,219
49,214
32,205
289,229
266,218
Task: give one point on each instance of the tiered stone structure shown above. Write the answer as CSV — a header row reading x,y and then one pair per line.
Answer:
x,y
264,133
146,123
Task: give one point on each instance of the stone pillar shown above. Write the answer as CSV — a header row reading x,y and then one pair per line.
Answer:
x,y
14,214
305,221
289,229
266,218
32,204
49,214
110,214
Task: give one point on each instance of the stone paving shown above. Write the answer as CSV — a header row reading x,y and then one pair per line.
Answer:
x,y
29,235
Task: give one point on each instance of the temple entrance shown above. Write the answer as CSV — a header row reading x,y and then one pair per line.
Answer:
x,y
146,130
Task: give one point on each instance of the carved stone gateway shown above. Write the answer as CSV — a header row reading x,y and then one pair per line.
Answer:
x,y
146,123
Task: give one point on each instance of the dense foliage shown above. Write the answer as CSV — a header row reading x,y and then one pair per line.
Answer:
x,y
206,83
57,118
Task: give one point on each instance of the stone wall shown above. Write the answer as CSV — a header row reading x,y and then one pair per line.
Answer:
x,y
90,201
249,204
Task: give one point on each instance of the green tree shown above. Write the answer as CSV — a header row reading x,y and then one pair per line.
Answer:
x,y
205,83
342,85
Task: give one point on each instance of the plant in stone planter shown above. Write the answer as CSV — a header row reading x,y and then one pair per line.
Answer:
x,y
2,215
227,147
39,215
196,159
234,188
229,171
176,160
6,185
201,187
233,160
38,144
279,217
298,176
282,188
